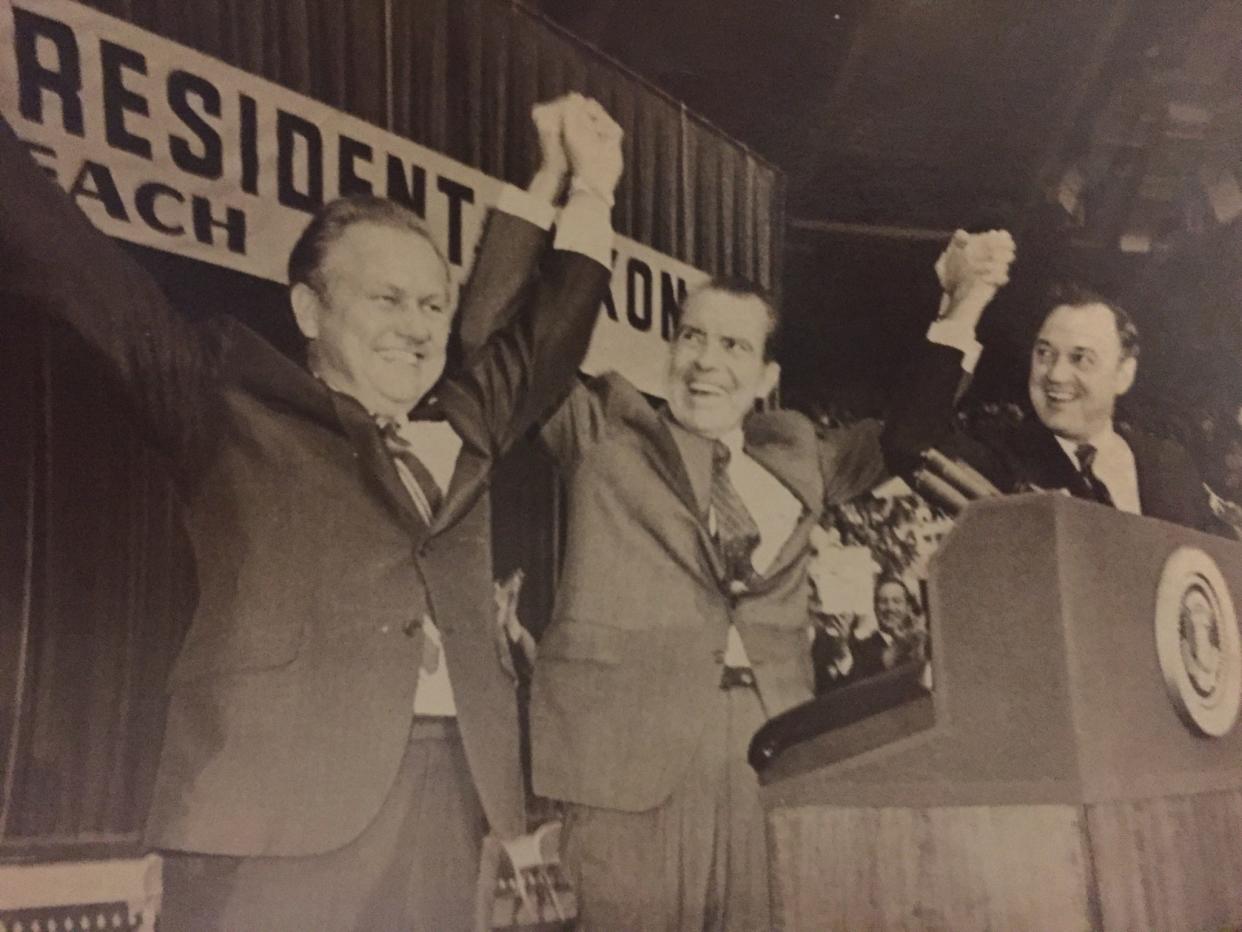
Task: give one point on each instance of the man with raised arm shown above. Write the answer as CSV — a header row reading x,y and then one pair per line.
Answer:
x,y
681,614
340,727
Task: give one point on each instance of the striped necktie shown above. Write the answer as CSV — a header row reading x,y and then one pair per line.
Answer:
x,y
423,489
737,535
1085,453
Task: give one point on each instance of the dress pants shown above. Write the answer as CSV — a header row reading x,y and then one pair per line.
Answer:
x,y
415,866
697,862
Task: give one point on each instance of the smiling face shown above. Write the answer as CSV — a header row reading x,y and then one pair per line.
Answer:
x,y
379,324
1078,371
892,607
717,366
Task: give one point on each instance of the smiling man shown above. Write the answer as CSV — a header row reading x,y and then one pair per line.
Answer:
x,y
340,727
1084,358
359,267
680,621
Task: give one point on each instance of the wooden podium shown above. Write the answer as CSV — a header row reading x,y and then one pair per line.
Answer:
x,y
1054,780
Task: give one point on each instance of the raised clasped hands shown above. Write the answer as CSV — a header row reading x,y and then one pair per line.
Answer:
x,y
973,260
576,136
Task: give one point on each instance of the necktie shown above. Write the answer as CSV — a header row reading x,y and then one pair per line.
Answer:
x,y
1085,453
426,497
737,535
425,493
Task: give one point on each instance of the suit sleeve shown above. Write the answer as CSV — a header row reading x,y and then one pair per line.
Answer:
x,y
507,256
54,260
921,413
576,424
529,365
859,457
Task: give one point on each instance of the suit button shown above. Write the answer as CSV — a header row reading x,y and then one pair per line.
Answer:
x,y
383,629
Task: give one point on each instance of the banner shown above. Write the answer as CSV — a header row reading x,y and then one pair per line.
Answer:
x,y
169,148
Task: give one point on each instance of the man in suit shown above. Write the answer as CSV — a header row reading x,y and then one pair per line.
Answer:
x,y
340,726
1084,358
895,615
681,616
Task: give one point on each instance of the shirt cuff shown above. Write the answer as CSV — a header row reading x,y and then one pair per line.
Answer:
x,y
525,206
585,226
960,336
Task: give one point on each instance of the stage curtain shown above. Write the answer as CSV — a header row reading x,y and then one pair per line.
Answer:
x,y
97,584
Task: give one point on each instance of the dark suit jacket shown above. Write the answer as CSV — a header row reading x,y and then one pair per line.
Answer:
x,y
292,698
630,667
1016,457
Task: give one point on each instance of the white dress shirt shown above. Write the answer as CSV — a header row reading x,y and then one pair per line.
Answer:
x,y
775,511
1113,465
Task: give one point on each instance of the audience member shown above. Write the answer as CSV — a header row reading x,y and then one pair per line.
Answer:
x,y
899,622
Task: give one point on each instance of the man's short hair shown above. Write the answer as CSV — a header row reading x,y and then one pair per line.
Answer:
x,y
888,579
333,219
1075,294
741,288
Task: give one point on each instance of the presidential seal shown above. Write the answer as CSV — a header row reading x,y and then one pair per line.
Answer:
x,y
1197,642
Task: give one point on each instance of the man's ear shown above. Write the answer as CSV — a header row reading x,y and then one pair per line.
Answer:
x,y
306,309
1126,372
771,375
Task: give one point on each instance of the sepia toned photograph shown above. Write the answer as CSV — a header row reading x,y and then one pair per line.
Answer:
x,y
553,465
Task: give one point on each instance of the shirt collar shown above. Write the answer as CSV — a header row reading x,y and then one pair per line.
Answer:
x,y
735,440
1104,441
429,407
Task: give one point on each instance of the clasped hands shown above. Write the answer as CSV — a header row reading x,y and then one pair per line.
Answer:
x,y
578,140
975,260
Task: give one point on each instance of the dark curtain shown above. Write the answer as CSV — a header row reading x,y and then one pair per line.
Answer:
x,y
97,588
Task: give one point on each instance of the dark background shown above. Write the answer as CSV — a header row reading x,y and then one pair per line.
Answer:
x,y
897,121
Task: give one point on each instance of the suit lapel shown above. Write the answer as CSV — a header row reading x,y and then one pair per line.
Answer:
x,y
684,461
469,476
376,463
474,460
1046,463
775,444
1153,484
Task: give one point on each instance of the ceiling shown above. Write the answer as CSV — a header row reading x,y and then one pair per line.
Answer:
x,y
1106,133
921,113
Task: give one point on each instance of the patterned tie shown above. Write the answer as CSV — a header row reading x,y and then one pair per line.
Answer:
x,y
737,535
1085,453
426,497
425,493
